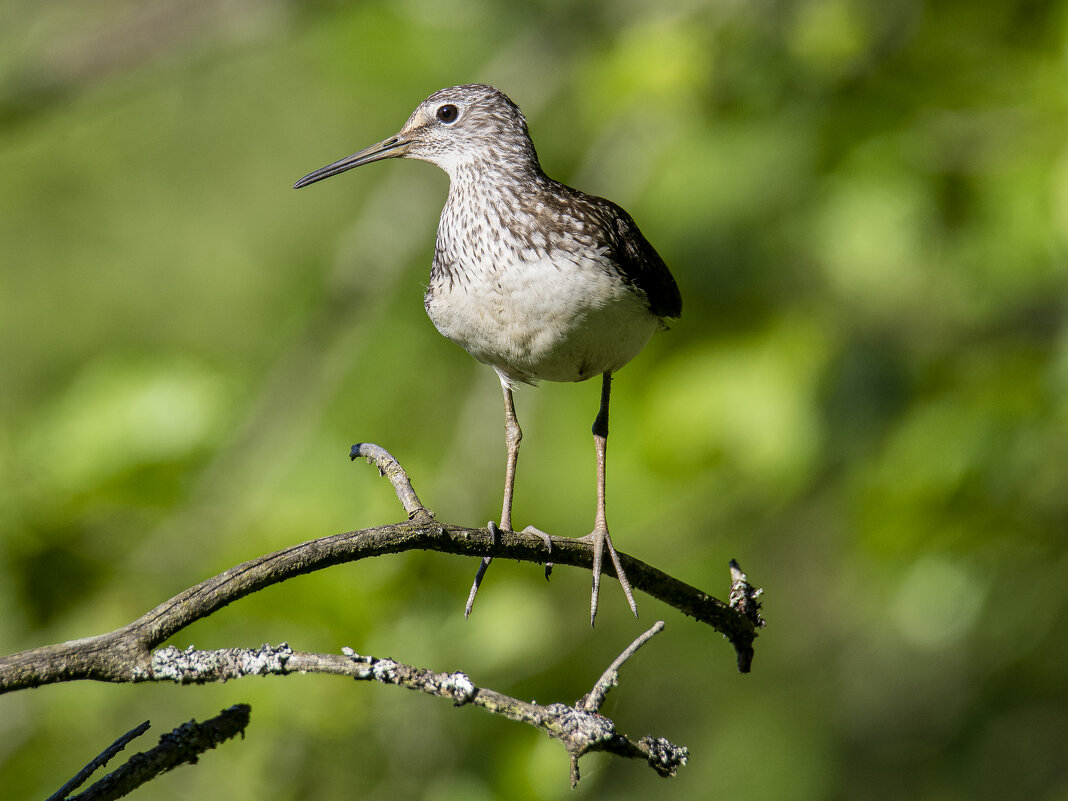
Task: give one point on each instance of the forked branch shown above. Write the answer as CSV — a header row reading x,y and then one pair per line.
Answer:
x,y
580,727
125,654
132,654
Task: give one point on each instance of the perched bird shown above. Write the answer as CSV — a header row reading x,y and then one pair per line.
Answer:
x,y
534,278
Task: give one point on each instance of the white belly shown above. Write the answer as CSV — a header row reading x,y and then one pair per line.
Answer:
x,y
547,318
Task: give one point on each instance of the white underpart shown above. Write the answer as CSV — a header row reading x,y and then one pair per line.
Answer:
x,y
542,309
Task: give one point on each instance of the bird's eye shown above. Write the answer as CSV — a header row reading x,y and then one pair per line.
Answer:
x,y
448,113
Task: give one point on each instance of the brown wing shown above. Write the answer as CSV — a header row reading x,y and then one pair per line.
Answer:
x,y
639,263
636,261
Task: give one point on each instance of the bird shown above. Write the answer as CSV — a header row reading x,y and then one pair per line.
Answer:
x,y
539,281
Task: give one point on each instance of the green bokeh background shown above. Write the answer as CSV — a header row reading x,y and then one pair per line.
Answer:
x,y
866,402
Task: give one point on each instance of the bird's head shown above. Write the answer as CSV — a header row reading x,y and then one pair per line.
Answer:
x,y
454,128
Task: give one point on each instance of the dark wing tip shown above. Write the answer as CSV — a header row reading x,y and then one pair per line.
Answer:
x,y
644,268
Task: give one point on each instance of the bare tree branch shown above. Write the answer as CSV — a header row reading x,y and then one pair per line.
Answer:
x,y
125,654
580,727
130,654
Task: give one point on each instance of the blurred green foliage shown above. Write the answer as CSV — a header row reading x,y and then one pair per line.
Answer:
x,y
866,206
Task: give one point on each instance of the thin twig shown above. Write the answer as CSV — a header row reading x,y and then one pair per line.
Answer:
x,y
99,761
591,731
610,678
391,469
183,745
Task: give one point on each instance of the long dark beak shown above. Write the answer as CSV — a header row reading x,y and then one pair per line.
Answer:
x,y
386,149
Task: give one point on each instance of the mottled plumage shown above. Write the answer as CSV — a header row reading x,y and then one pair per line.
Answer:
x,y
534,278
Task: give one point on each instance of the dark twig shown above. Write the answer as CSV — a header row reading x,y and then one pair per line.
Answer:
x,y
178,747
98,762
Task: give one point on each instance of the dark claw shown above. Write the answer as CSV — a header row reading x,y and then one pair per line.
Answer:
x,y
537,532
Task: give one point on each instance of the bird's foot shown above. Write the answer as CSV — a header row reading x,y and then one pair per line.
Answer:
x,y
495,533
537,532
599,538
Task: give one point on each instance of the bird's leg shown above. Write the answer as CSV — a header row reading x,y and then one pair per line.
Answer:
x,y
600,537
512,436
